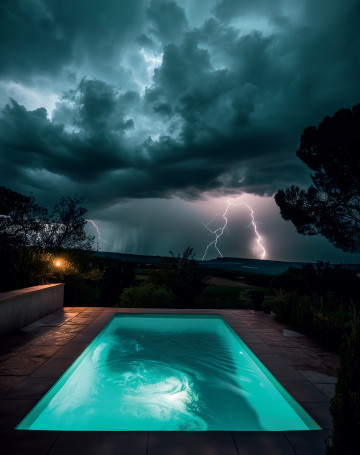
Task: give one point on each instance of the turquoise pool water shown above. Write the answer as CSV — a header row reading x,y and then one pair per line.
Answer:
x,y
168,373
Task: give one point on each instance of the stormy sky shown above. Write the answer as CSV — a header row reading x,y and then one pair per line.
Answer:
x,y
160,111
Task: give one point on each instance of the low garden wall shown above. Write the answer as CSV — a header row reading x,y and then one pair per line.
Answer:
x,y
24,306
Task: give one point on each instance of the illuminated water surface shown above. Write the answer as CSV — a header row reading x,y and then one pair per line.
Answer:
x,y
167,372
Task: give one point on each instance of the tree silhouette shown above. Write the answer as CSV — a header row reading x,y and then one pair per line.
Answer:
x,y
32,225
331,205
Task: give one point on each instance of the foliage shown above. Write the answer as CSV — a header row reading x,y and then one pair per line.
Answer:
x,y
314,315
182,276
89,280
66,225
256,297
31,225
23,226
223,297
331,206
291,280
345,405
23,267
147,295
117,276
342,283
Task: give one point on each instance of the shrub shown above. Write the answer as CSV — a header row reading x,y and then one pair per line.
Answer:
x,y
23,267
291,280
329,326
222,297
183,276
279,305
147,295
256,298
345,405
309,315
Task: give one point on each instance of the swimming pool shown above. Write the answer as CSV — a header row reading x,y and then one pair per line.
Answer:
x,y
149,372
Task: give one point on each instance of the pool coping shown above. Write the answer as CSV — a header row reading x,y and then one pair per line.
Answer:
x,y
17,402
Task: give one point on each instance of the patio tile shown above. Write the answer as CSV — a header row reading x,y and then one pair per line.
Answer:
x,y
327,389
30,389
191,443
272,359
70,328
305,392
285,373
84,337
70,309
319,378
54,339
266,443
320,412
81,320
7,383
53,368
251,339
23,336
20,366
96,325
258,348
308,442
242,331
42,352
71,350
52,320
13,411
100,442
27,442
60,336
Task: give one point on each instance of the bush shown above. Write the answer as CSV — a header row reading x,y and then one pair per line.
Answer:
x,y
23,267
345,405
279,305
182,276
222,297
147,295
256,298
310,315
292,280
329,327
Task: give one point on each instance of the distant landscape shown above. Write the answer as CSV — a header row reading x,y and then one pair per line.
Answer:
x,y
266,267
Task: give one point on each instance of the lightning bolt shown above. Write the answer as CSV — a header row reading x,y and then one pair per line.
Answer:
x,y
220,230
97,230
152,62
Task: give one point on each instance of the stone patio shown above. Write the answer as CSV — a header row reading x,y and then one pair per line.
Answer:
x,y
32,359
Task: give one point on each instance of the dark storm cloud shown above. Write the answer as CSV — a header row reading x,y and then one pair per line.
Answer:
x,y
158,108
42,37
27,33
44,144
168,20
228,9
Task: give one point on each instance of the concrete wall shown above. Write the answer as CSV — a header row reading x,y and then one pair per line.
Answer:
x,y
24,306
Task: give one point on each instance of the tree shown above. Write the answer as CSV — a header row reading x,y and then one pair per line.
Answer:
x,y
24,225
183,276
31,225
67,223
331,205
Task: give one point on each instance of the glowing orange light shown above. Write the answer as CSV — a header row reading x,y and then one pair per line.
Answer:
x,y
58,263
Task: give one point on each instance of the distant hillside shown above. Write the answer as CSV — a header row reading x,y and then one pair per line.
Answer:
x,y
236,264
137,258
